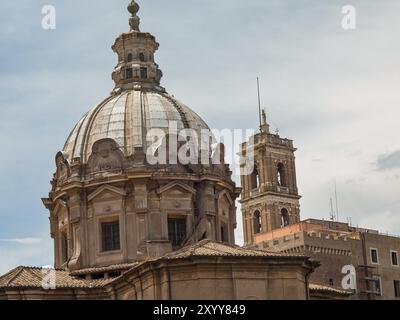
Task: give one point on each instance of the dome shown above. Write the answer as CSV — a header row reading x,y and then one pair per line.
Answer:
x,y
126,118
111,202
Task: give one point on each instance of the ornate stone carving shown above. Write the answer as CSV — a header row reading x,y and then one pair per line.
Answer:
x,y
105,156
63,171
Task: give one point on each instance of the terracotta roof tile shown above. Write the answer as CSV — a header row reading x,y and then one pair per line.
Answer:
x,y
314,288
112,268
210,248
29,277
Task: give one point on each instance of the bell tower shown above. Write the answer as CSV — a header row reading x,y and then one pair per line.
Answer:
x,y
269,198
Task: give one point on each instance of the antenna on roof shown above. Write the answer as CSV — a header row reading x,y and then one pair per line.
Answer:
x,y
331,210
336,202
331,214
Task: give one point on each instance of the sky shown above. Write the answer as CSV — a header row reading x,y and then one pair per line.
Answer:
x,y
335,92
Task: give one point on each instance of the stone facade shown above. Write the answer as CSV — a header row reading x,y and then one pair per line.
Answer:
x,y
228,277
126,228
203,271
336,245
271,221
103,174
141,199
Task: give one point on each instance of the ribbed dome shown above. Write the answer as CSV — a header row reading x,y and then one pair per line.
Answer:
x,y
126,118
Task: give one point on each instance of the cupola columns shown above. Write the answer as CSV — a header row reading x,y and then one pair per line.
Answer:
x,y
136,67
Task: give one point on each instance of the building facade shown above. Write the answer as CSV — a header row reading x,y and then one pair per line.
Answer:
x,y
271,221
374,257
203,271
108,204
125,227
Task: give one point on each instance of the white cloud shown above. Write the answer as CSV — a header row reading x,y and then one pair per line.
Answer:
x,y
23,241
26,252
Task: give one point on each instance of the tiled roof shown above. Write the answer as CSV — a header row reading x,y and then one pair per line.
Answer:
x,y
29,277
318,288
210,248
112,268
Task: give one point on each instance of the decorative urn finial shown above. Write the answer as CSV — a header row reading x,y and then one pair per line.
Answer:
x,y
134,21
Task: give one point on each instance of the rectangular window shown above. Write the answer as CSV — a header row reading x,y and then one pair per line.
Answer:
x,y
224,233
110,236
394,258
129,73
176,232
377,286
374,256
397,288
143,73
64,247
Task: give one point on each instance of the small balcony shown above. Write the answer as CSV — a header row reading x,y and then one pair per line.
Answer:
x,y
279,189
282,189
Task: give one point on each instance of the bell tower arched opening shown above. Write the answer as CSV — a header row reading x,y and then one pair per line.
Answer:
x,y
284,218
257,222
255,178
281,173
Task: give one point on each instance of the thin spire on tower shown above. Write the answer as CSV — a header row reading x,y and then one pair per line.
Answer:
x,y
134,21
259,101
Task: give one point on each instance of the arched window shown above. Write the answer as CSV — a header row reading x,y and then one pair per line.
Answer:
x,y
281,175
129,73
130,57
64,247
255,178
284,218
141,56
143,73
257,222
224,233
